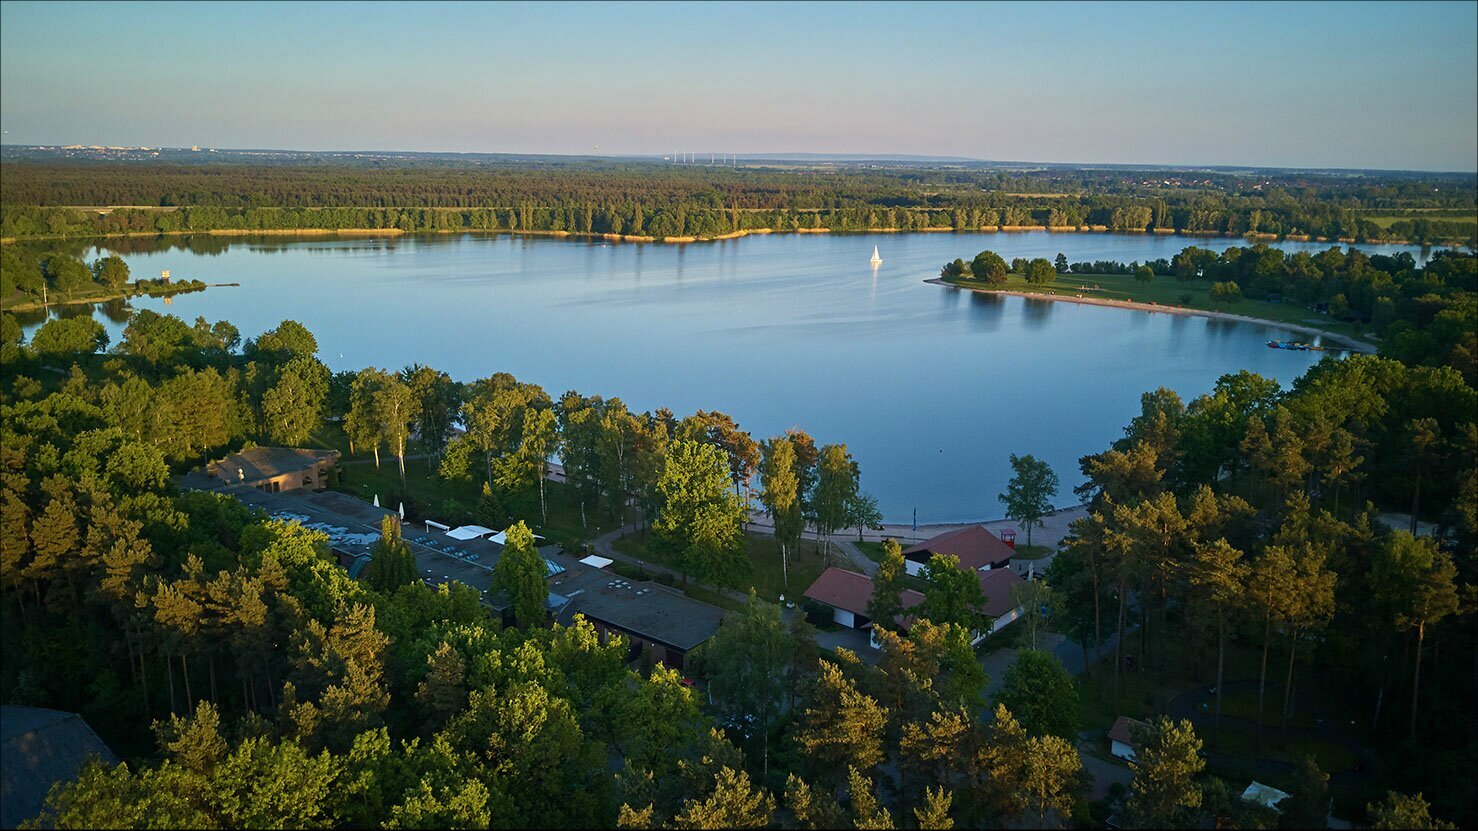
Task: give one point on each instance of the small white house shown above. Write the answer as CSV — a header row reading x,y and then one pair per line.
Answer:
x,y
1121,737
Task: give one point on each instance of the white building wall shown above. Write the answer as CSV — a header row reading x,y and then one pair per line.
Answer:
x,y
1000,622
1123,751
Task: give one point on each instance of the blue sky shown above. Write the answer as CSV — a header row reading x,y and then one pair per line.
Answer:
x,y
1380,85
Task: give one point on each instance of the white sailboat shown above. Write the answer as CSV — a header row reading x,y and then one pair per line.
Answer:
x,y
876,260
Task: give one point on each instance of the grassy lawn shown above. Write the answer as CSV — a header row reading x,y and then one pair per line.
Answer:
x,y
1239,741
1168,291
1243,704
871,549
765,572
18,301
1387,220
454,503
1143,696
1031,552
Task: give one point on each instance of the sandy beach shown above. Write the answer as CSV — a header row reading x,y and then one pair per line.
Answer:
x,y
1344,341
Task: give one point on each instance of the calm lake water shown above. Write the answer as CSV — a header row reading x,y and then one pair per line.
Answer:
x,y
930,388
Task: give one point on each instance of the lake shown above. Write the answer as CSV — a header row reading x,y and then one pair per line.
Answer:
x,y
930,388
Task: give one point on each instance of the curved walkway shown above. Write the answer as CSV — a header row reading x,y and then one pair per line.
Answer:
x,y
605,546
1187,705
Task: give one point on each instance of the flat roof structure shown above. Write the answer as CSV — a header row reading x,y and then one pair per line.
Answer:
x,y
648,610
257,463
353,525
39,748
470,532
975,546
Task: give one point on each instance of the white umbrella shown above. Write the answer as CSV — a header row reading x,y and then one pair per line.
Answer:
x,y
402,510
377,500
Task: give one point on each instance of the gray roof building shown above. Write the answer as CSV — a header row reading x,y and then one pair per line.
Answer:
x,y
277,468
650,611
645,610
40,748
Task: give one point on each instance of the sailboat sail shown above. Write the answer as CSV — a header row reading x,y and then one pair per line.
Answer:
x,y
875,257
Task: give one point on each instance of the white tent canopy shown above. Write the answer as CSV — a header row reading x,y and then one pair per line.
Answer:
x,y
597,561
1264,795
468,532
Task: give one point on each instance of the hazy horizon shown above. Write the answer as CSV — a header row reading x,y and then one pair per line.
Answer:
x,y
701,158
1298,85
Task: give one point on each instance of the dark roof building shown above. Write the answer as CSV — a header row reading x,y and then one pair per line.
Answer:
x,y
40,749
649,614
273,469
976,547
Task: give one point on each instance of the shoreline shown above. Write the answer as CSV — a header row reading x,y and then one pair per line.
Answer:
x,y
35,305
984,229
1345,341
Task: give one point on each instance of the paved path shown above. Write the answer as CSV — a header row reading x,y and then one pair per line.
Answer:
x,y
385,458
1102,772
1054,527
605,546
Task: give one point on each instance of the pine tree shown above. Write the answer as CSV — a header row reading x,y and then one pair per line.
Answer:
x,y
391,564
843,726
886,603
933,814
1167,762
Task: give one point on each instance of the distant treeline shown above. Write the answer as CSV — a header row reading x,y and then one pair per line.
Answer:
x,y
657,201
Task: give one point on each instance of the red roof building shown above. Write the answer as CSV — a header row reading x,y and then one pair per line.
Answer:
x,y
848,593
1121,737
977,548
998,586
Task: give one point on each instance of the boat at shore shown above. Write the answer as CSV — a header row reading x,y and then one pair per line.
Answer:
x,y
1298,346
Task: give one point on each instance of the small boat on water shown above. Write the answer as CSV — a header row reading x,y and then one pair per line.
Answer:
x,y
1298,346
876,260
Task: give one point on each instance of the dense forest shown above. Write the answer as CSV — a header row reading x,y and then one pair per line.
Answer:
x,y
248,681
41,197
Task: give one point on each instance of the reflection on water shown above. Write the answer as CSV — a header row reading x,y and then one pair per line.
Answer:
x,y
779,331
1036,312
116,310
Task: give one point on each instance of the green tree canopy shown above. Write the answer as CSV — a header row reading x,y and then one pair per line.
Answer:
x,y
1029,494
699,521
989,266
520,574
391,563
953,594
69,336
1038,690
